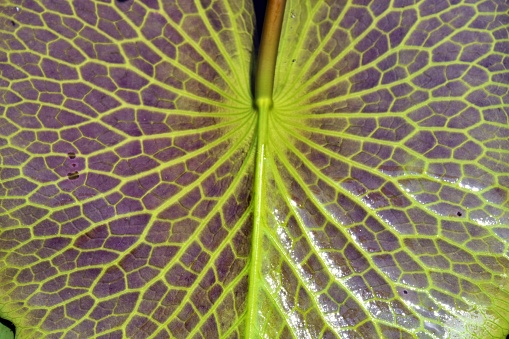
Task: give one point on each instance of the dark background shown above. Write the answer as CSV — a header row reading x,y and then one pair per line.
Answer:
x,y
259,7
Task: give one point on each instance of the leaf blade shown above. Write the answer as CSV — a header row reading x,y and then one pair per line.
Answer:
x,y
135,171
368,183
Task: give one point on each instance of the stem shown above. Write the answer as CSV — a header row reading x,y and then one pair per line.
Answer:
x,y
271,32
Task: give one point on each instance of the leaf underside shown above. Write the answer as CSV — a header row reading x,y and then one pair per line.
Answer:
x,y
128,144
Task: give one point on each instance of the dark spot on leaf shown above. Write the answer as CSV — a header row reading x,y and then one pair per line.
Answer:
x,y
122,0
73,175
13,23
405,292
71,155
294,60
507,336
73,165
459,214
9,325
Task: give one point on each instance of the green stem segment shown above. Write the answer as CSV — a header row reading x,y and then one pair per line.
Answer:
x,y
264,79
264,83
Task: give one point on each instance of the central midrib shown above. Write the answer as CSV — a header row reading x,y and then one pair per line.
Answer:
x,y
264,83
